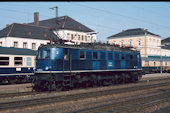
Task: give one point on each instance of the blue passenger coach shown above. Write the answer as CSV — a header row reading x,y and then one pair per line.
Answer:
x,y
16,65
61,66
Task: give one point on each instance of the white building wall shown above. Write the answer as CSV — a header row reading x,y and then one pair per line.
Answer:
x,y
9,42
67,35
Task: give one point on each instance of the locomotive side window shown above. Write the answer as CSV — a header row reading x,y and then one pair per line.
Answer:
x,y
95,56
110,56
4,61
123,57
18,60
131,57
66,55
138,57
82,55
103,56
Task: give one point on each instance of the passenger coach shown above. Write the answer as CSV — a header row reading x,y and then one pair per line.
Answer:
x,y
16,65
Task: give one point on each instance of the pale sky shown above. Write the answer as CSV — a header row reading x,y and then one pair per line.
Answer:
x,y
107,18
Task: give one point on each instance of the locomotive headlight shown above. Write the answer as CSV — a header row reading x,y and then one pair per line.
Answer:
x,y
46,68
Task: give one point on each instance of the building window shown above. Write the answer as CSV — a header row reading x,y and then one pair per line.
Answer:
x,y
4,61
150,42
82,37
154,43
78,37
85,38
24,44
130,43
18,60
121,43
15,44
154,63
72,36
91,38
28,61
139,42
88,38
157,42
68,36
0,44
82,55
34,46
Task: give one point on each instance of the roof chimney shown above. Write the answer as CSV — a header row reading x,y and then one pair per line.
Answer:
x,y
7,25
36,18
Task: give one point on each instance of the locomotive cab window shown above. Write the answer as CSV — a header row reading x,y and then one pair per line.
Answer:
x,y
66,55
95,56
82,55
18,60
44,54
4,61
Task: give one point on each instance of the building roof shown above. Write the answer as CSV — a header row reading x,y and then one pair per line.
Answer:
x,y
131,32
64,22
17,51
27,31
166,43
166,40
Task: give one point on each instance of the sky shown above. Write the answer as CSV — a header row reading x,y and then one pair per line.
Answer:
x,y
106,18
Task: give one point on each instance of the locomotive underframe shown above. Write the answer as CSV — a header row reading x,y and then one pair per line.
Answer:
x,y
63,81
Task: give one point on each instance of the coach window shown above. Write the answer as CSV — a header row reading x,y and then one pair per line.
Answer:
x,y
82,55
4,61
18,60
28,61
95,56
66,55
0,44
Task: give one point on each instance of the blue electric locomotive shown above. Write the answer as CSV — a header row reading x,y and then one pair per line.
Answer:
x,y
61,66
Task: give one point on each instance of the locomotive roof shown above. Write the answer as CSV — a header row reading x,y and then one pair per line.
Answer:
x,y
91,46
17,51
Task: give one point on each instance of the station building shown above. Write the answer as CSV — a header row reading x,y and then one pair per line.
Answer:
x,y
149,44
32,35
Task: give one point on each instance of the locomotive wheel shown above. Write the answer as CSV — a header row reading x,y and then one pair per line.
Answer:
x,y
59,87
53,86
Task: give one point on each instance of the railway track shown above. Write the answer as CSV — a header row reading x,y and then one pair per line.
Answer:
x,y
64,98
11,95
130,106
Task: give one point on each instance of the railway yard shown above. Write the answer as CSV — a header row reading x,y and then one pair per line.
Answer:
x,y
150,94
